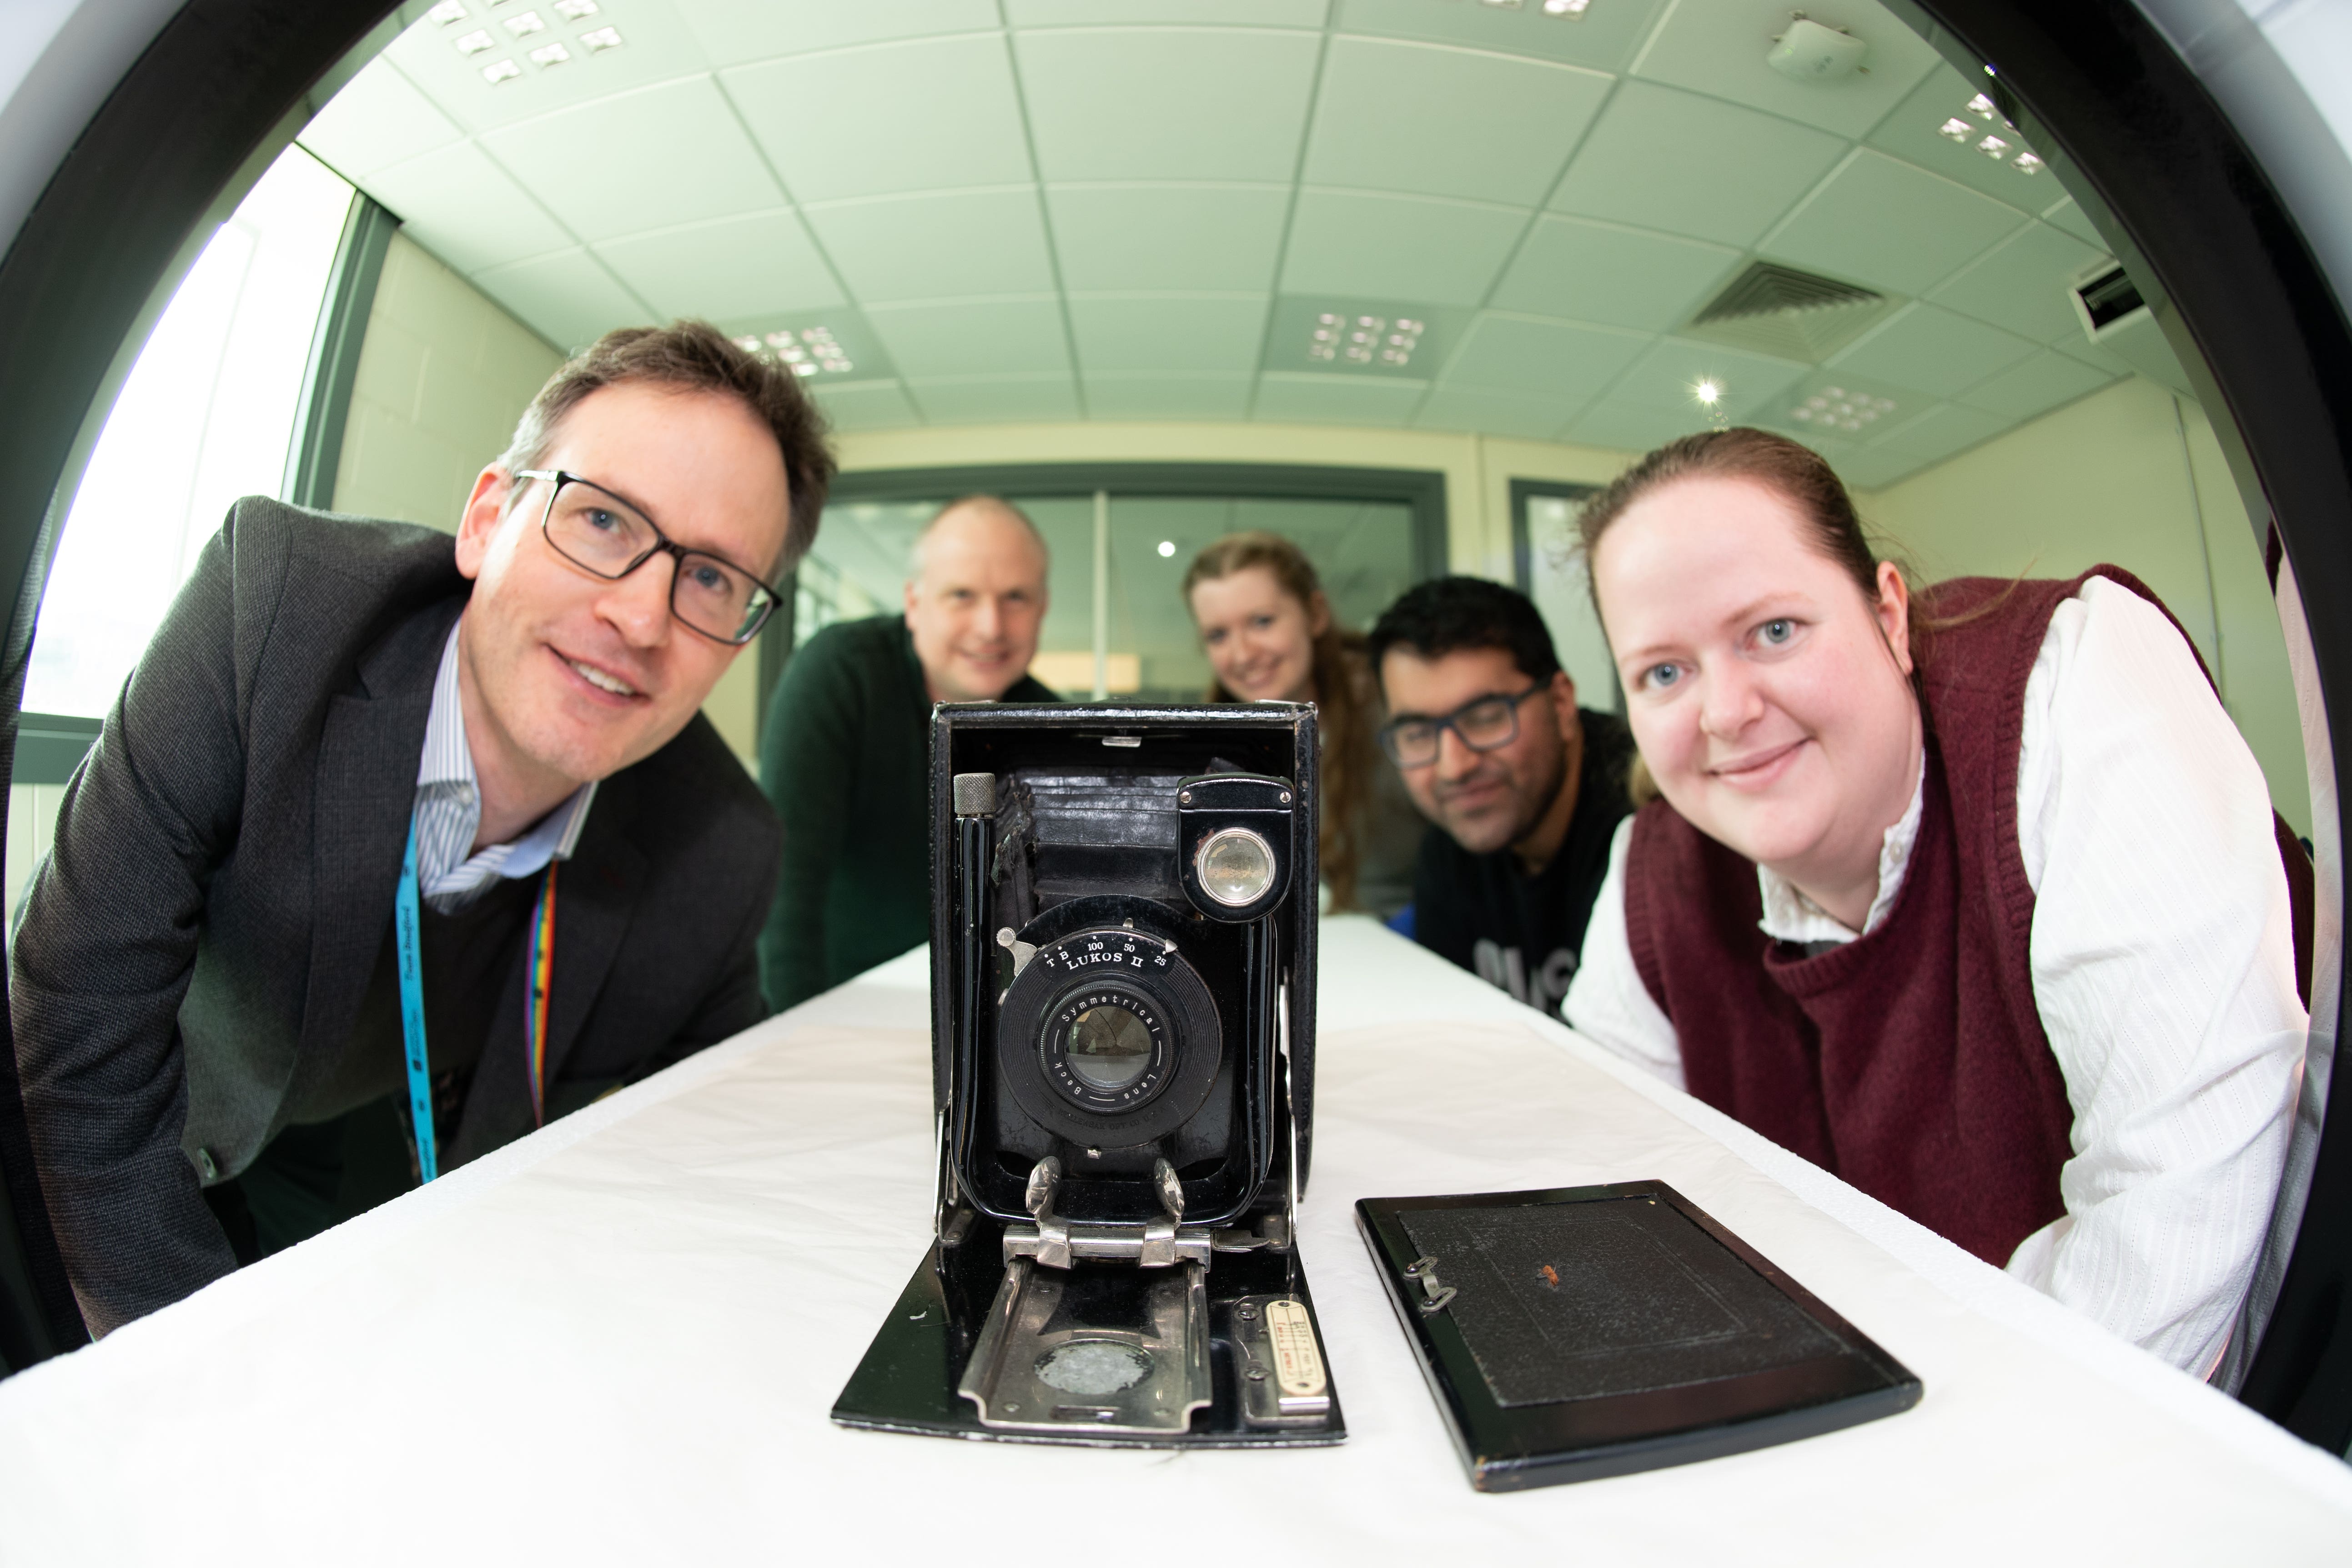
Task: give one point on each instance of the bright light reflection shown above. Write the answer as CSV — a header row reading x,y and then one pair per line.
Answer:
x,y
204,418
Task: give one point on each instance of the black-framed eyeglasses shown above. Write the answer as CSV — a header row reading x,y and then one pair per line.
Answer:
x,y
598,531
1483,723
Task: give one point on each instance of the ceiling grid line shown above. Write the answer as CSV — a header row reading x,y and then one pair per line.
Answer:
x,y
1044,213
1289,215
1511,259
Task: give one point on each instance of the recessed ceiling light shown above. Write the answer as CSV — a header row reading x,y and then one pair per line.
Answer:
x,y
522,26
1708,390
549,55
1505,5
1959,129
1167,547
1993,147
574,10
603,38
1836,408
805,353
1571,9
474,42
1983,108
446,11
2026,163
505,70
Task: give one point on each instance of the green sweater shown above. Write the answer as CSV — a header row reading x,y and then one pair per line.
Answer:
x,y
846,755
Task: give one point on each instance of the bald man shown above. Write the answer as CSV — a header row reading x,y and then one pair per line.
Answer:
x,y
844,754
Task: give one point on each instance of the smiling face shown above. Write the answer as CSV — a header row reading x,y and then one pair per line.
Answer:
x,y
976,603
1514,795
1769,696
566,676
1259,638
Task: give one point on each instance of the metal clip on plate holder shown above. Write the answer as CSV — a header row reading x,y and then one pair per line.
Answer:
x,y
1435,1293
1078,1376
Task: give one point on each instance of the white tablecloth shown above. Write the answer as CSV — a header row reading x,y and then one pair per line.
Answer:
x,y
616,1341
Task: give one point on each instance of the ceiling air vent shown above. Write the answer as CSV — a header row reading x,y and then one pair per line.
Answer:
x,y
1781,310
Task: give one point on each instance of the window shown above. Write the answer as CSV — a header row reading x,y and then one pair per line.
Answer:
x,y
204,418
1130,531
1550,570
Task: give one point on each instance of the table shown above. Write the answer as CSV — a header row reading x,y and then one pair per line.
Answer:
x,y
618,1340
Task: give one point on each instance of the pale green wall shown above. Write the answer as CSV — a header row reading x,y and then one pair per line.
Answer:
x,y
2131,475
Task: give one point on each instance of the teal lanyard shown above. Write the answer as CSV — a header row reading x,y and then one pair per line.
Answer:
x,y
539,979
412,1011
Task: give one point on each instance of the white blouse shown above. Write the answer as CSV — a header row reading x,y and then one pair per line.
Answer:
x,y
2163,958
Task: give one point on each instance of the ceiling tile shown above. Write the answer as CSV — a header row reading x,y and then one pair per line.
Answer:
x,y
1098,13
761,265
1885,223
2035,385
1718,46
1987,156
928,116
1550,359
2071,217
1940,431
2079,347
1629,427
465,209
613,167
1933,351
1617,277
1664,378
737,32
971,336
866,405
1190,336
1602,38
378,119
656,48
1733,170
569,297
936,246
1444,122
996,399
1167,103
1399,248
1167,396
1205,237
1878,467
1310,399
1488,412
2023,285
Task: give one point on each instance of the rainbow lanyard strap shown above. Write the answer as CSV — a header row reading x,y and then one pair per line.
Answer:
x,y
538,977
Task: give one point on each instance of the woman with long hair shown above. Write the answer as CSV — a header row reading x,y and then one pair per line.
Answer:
x,y
1973,897
1270,635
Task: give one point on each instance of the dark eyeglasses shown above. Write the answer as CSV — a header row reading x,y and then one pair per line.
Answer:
x,y
1484,724
598,531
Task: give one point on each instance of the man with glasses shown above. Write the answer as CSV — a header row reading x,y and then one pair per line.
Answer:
x,y
395,846
1483,726
845,753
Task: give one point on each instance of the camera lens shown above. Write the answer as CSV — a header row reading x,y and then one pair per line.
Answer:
x,y
1236,866
1110,1046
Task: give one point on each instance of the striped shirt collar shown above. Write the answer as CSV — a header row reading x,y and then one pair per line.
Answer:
x,y
449,809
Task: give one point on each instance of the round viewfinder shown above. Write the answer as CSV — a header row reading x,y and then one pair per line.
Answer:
x,y
1110,1046
1235,867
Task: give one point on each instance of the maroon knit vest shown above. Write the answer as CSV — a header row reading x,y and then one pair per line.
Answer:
x,y
1911,1062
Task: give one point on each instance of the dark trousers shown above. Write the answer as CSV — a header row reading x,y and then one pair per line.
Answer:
x,y
311,1178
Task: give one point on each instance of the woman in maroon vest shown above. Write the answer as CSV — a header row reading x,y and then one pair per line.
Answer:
x,y
1972,899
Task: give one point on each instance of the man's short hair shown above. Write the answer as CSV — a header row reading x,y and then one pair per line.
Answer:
x,y
985,503
694,356
1447,614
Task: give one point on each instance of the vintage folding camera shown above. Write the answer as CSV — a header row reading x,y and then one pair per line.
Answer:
x,y
1123,1042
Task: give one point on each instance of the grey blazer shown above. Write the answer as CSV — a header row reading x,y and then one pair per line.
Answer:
x,y
222,883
